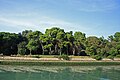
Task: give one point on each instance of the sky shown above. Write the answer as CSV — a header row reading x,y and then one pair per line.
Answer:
x,y
92,17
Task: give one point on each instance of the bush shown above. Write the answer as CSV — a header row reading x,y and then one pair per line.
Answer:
x,y
118,56
64,57
97,57
111,57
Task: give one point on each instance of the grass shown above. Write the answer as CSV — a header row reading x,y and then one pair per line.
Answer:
x,y
80,57
53,63
47,56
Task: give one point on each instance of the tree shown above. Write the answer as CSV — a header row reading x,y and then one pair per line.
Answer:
x,y
70,39
22,49
91,51
80,37
44,41
32,45
9,43
56,41
66,45
110,38
60,38
79,43
56,35
117,36
1,42
34,35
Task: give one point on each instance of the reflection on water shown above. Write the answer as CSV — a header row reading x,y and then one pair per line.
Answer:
x,y
59,73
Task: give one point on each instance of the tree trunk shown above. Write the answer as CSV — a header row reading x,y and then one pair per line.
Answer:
x,y
60,51
73,50
67,50
42,48
30,52
50,50
56,48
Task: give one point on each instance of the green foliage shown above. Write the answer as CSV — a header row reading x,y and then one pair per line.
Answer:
x,y
111,57
8,43
118,56
56,41
79,36
93,41
64,57
117,36
22,49
113,52
32,45
91,50
97,57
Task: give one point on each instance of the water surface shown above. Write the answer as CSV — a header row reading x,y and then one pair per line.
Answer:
x,y
8,72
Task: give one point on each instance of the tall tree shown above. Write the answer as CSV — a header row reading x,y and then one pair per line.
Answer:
x,y
22,49
79,42
32,45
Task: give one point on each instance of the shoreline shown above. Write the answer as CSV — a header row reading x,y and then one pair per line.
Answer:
x,y
56,62
73,59
59,63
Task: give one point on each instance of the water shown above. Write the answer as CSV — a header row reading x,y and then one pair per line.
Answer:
x,y
59,73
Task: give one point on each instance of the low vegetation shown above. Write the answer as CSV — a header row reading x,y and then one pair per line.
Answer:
x,y
97,57
52,63
64,57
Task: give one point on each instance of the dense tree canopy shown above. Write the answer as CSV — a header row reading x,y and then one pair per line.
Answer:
x,y
56,41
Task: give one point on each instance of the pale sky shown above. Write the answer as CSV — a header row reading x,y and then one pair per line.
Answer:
x,y
93,17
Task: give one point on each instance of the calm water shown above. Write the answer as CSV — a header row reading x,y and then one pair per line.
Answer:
x,y
59,73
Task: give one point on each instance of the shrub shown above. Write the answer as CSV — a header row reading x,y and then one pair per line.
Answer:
x,y
64,57
111,57
97,57
118,56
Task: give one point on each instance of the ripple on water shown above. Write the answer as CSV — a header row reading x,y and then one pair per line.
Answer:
x,y
104,79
